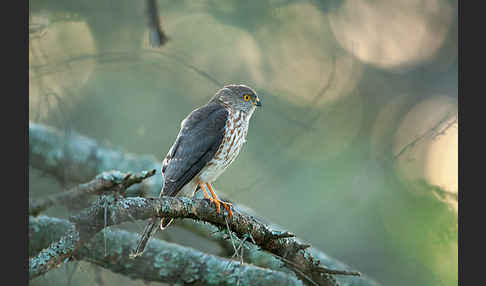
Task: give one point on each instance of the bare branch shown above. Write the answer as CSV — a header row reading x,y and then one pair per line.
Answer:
x,y
61,251
113,181
277,242
438,129
57,253
46,153
161,262
50,149
156,34
90,221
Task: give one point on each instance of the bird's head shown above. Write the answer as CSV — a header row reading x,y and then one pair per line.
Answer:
x,y
239,97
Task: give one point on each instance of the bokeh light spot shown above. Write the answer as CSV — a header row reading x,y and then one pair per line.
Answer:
x,y
426,145
302,63
223,51
60,61
392,34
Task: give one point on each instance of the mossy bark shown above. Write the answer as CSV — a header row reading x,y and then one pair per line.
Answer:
x,y
53,152
162,261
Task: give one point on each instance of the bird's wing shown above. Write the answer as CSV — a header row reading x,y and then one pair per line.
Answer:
x,y
198,140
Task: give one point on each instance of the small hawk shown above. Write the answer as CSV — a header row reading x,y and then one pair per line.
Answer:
x,y
209,140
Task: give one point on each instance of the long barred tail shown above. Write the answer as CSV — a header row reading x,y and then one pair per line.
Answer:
x,y
149,230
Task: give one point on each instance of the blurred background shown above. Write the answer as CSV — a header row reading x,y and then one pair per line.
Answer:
x,y
355,149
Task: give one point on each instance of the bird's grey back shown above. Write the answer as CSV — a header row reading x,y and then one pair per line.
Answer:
x,y
198,140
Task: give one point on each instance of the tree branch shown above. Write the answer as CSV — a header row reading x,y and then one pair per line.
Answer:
x,y
92,220
49,149
71,157
156,34
161,261
113,181
438,129
62,250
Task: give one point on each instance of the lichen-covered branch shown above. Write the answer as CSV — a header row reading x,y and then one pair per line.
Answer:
x,y
53,151
71,157
114,181
60,251
280,243
254,255
161,261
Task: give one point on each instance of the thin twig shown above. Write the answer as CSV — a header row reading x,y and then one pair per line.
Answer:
x,y
433,132
156,34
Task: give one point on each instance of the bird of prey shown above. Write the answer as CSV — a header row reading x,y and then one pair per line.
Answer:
x,y
209,140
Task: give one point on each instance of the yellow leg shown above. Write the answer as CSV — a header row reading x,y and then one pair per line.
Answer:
x,y
217,201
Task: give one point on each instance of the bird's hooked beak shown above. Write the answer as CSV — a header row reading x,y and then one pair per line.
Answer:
x,y
258,102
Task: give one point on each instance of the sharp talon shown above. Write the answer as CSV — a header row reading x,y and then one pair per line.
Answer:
x,y
216,203
227,206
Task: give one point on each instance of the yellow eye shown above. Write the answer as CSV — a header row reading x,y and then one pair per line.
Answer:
x,y
246,97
